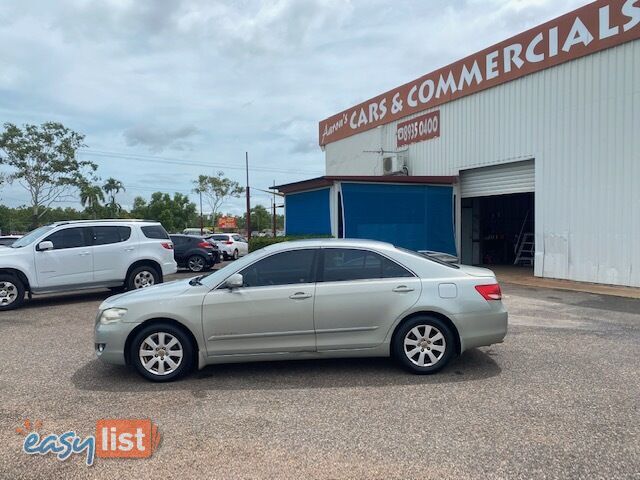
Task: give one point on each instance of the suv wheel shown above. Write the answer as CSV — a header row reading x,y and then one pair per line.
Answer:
x,y
11,292
196,263
162,352
142,277
235,254
424,345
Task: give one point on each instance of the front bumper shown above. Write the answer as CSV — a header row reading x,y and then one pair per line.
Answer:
x,y
110,341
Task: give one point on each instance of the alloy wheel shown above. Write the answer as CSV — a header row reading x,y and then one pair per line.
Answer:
x,y
143,279
161,353
424,345
196,264
8,293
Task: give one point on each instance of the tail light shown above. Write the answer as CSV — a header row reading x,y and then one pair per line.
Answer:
x,y
167,245
228,242
490,292
205,245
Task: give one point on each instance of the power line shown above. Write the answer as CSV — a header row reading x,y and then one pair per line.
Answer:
x,y
175,161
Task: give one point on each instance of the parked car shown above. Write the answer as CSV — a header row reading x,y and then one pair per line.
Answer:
x,y
194,253
231,245
8,240
302,300
83,254
196,231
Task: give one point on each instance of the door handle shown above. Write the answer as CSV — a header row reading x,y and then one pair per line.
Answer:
x,y
129,249
402,289
299,296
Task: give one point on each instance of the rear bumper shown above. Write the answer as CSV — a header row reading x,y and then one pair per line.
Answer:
x,y
169,268
481,328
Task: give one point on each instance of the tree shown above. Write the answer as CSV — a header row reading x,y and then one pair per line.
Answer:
x,y
90,197
216,189
175,213
43,161
112,187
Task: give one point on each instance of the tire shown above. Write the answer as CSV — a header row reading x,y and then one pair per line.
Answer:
x,y
159,366
197,263
11,292
235,254
424,345
142,277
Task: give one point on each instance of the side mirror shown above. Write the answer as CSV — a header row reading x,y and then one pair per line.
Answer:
x,y
44,246
234,281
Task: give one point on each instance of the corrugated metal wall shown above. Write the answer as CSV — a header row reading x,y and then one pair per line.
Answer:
x,y
504,179
580,121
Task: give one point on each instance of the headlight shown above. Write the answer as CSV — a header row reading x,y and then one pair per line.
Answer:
x,y
112,315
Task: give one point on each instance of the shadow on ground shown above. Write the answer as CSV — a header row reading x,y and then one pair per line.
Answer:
x,y
472,365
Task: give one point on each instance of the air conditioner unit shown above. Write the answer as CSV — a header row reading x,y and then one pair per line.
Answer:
x,y
394,165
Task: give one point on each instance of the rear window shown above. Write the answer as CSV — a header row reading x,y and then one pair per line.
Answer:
x,y
155,231
429,257
220,237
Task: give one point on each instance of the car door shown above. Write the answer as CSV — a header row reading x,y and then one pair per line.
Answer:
x,y
359,294
113,249
71,260
179,248
241,244
272,312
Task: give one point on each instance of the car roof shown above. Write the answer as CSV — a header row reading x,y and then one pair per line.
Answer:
x,y
331,242
107,221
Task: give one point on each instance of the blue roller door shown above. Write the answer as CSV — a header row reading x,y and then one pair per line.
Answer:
x,y
308,213
418,217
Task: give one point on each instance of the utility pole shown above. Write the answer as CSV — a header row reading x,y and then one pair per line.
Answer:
x,y
273,207
201,217
246,158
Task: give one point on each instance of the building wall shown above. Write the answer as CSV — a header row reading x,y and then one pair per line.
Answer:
x,y
580,121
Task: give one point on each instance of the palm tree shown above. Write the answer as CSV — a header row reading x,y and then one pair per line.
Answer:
x,y
112,187
90,197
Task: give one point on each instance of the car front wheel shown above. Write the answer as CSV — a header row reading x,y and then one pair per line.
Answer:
x,y
11,292
162,352
424,345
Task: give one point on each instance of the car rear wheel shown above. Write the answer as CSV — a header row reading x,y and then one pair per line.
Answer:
x,y
11,292
196,263
235,254
162,352
424,344
142,277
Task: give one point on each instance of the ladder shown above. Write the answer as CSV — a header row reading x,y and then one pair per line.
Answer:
x,y
526,249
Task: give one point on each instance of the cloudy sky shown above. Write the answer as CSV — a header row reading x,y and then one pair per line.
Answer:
x,y
165,90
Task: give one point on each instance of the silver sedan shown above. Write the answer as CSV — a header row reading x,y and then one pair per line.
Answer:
x,y
304,300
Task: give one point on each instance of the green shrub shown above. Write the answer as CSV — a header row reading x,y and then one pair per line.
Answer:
x,y
256,243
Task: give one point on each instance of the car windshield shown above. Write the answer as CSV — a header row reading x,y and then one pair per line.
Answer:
x,y
31,236
429,257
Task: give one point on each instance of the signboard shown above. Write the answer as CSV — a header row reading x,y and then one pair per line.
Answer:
x,y
424,127
227,222
594,27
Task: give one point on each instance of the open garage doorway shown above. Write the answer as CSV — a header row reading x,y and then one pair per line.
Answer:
x,y
499,229
497,216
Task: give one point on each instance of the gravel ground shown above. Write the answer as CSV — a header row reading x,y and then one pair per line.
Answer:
x,y
558,399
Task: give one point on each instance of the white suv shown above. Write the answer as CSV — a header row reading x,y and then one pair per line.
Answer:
x,y
231,245
85,254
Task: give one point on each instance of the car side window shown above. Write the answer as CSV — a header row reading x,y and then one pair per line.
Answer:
x,y
237,238
285,268
343,264
107,235
70,238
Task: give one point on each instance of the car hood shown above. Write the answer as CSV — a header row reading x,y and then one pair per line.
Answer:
x,y
157,293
